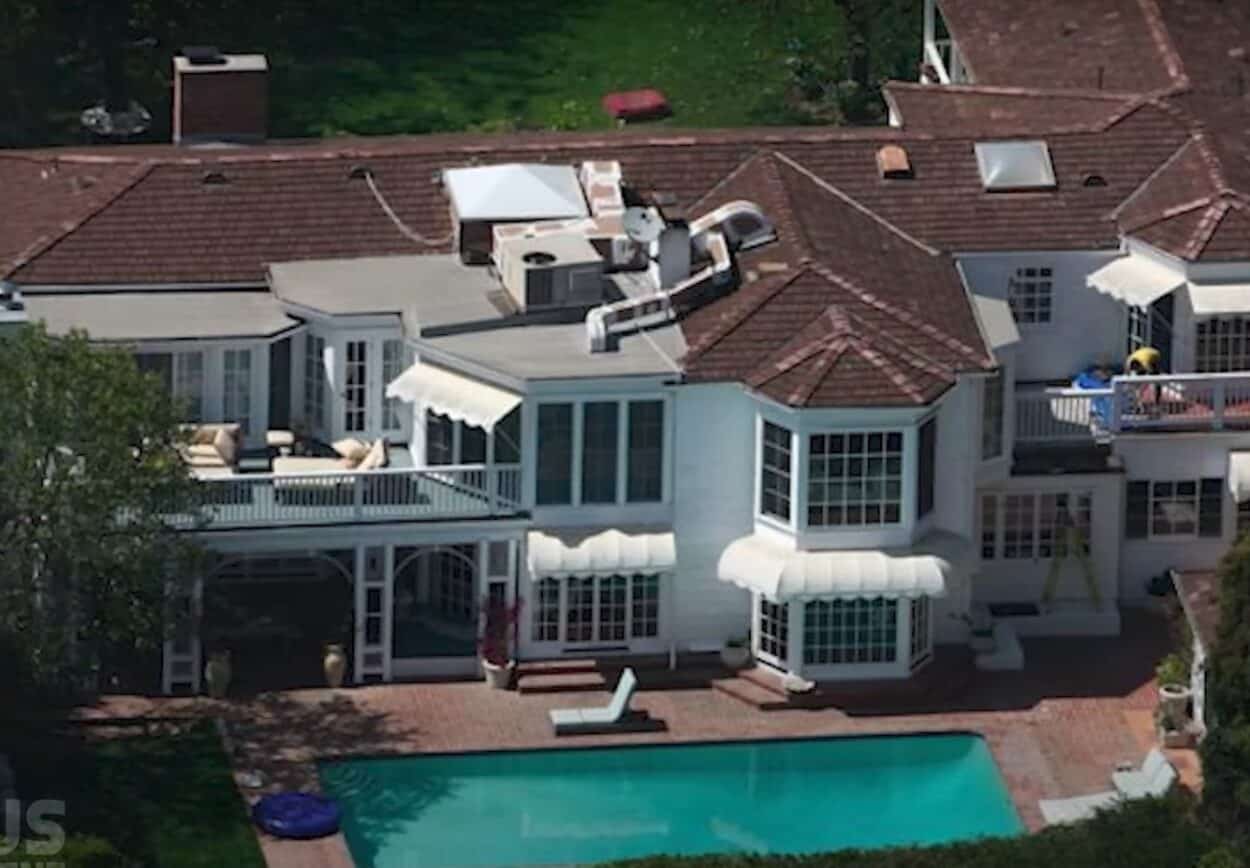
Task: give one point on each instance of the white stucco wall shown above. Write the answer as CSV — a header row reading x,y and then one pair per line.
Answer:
x,y
1175,457
1086,326
958,457
714,468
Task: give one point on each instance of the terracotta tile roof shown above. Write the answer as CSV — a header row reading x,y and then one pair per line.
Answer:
x,y
985,110
863,314
1118,45
1199,592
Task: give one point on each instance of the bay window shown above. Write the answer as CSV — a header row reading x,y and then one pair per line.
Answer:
x,y
926,469
315,382
775,454
855,479
236,404
774,630
850,631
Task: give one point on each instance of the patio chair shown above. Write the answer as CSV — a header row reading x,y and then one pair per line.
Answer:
x,y
614,715
1077,808
1155,777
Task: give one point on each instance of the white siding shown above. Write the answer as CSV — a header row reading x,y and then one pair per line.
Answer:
x,y
1086,326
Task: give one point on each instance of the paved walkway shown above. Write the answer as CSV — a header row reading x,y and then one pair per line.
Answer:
x,y
1057,729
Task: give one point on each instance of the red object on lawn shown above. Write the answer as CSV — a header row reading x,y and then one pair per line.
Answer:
x,y
637,105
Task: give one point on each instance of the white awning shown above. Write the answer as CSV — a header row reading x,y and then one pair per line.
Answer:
x,y
607,553
996,320
1215,299
925,570
1135,280
1239,475
454,395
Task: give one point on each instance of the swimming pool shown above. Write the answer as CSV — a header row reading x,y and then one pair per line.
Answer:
x,y
596,804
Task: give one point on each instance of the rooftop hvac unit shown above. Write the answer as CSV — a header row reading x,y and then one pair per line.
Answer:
x,y
551,271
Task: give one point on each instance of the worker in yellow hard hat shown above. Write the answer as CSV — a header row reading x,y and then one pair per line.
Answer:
x,y
1144,361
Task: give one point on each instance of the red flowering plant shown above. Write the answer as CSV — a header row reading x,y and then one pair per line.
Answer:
x,y
495,643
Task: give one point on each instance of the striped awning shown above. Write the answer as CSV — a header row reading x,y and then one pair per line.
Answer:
x,y
759,564
559,554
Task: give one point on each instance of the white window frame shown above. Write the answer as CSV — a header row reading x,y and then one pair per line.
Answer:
x,y
1228,350
236,387
396,358
356,352
1158,499
315,383
1031,295
847,481
842,620
772,632
790,473
1036,536
625,404
920,631
640,621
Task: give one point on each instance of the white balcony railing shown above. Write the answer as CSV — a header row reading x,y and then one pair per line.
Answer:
x,y
1171,402
333,497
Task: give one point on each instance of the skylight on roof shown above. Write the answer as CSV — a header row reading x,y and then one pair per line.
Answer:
x,y
1015,166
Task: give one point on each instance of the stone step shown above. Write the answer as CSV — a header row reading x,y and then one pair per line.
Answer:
x,y
765,679
557,667
562,682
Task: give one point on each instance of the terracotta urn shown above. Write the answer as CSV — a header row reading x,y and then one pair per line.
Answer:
x,y
335,664
217,674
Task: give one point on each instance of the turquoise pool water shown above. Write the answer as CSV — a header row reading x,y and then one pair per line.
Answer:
x,y
591,805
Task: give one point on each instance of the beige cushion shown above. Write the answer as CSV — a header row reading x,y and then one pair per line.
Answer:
x,y
352,449
224,442
303,464
202,450
377,457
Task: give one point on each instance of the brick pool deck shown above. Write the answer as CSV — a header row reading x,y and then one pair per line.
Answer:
x,y
1056,729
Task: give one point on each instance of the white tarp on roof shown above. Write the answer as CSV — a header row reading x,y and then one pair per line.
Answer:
x,y
927,569
608,553
454,395
1239,475
515,191
1135,280
1216,299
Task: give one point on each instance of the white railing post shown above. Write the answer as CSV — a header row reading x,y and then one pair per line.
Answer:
x,y
1218,396
358,495
1114,415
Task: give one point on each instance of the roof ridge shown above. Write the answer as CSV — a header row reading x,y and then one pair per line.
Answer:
x,y
1163,41
1170,213
1158,170
728,177
856,204
45,243
906,317
1018,90
1205,230
841,324
896,374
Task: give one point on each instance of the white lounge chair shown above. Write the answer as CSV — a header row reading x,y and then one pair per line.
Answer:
x,y
610,716
1155,777
1077,808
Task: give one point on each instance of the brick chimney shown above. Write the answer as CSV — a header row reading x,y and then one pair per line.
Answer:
x,y
220,97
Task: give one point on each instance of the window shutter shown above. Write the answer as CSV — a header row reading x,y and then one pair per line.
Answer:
x,y
1211,507
1137,511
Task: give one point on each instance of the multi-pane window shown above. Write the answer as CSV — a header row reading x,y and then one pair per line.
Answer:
x,y
926,468
546,610
315,381
645,599
237,387
555,454
1027,525
921,630
579,617
355,382
453,592
182,374
613,608
1222,344
392,367
645,472
775,472
1174,508
850,631
855,479
774,629
599,451
1029,294
440,433
992,416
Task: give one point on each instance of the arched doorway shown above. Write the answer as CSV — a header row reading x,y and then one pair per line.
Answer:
x,y
275,613
435,602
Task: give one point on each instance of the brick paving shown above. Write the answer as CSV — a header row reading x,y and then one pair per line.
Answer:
x,y
1056,729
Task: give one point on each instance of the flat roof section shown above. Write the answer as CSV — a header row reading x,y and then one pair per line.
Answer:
x,y
152,316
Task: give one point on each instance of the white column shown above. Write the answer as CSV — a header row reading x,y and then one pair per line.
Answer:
x,y
182,658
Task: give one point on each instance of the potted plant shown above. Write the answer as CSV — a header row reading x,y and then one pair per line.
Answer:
x,y
1173,677
495,645
736,652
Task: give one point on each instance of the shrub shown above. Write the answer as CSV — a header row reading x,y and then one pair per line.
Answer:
x,y
1172,670
88,851
1221,857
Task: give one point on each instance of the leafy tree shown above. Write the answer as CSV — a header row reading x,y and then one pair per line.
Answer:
x,y
1226,750
90,470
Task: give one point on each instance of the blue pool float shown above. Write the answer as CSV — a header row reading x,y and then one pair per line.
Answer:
x,y
297,815
1092,378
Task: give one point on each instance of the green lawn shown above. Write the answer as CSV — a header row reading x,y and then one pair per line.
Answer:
x,y
161,800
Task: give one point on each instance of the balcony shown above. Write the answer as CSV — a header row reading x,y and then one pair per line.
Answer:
x,y
1137,405
344,497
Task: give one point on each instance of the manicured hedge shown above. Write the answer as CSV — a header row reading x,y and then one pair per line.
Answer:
x,y
1146,834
